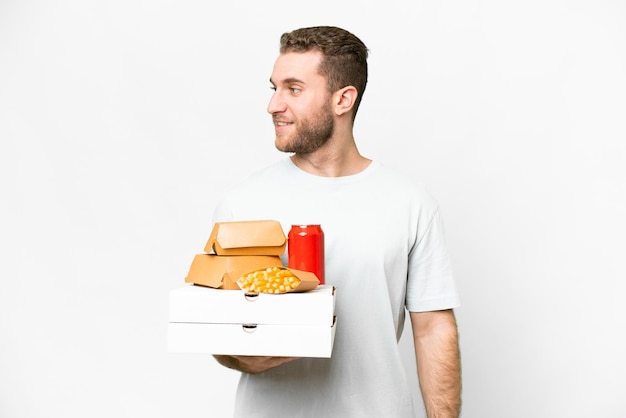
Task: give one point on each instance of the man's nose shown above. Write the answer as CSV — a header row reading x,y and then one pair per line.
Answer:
x,y
276,104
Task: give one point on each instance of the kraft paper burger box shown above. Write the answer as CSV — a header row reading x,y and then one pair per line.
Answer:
x,y
223,271
265,237
215,321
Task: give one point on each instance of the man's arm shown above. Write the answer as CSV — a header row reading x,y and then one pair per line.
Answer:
x,y
438,362
251,364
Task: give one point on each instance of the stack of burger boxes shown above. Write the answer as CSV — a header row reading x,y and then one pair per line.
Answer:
x,y
221,310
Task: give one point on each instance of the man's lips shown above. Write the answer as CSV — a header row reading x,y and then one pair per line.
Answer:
x,y
281,124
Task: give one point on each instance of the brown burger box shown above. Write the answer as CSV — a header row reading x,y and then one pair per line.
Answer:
x,y
264,237
222,272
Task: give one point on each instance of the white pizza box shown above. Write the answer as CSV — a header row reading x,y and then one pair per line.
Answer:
x,y
199,304
252,339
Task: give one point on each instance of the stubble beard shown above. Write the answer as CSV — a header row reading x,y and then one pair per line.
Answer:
x,y
311,134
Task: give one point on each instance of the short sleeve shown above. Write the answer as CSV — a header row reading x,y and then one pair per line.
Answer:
x,y
430,284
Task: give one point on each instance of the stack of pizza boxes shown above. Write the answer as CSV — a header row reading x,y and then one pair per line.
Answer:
x,y
218,312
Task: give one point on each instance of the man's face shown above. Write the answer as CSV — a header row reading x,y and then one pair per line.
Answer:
x,y
300,106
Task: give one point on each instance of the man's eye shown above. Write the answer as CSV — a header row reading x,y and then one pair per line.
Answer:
x,y
294,90
273,88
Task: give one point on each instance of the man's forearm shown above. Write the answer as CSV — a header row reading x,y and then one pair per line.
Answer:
x,y
438,362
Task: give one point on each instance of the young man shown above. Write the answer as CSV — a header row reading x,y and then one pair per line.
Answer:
x,y
385,250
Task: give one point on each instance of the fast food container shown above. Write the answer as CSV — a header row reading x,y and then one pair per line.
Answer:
x,y
217,321
265,237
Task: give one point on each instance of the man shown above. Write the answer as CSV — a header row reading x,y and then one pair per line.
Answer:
x,y
385,250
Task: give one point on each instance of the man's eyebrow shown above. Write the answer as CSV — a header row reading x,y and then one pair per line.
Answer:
x,y
288,80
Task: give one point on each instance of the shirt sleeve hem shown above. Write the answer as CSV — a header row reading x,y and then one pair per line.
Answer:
x,y
438,304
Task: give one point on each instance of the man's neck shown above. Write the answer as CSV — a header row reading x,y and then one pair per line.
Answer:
x,y
332,163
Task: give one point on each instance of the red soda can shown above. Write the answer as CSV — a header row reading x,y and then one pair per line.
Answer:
x,y
305,249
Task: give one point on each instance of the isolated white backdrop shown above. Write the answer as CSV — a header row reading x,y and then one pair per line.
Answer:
x,y
121,122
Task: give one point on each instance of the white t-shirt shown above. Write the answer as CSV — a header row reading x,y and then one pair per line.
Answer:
x,y
384,251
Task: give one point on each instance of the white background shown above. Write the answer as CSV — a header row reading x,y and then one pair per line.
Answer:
x,y
121,122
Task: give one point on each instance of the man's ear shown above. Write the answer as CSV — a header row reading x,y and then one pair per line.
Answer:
x,y
344,99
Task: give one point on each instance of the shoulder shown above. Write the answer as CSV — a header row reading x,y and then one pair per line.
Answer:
x,y
399,183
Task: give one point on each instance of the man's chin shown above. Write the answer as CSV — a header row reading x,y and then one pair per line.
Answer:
x,y
282,146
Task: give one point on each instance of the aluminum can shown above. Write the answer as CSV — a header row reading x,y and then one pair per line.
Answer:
x,y
305,249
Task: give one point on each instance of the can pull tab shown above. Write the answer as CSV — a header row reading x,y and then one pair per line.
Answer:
x,y
249,328
251,297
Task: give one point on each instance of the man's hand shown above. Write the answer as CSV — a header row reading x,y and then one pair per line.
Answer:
x,y
252,364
